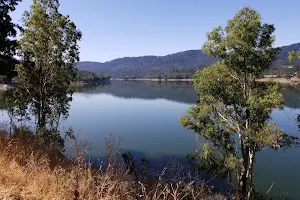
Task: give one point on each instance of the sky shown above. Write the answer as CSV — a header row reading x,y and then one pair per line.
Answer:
x,y
129,28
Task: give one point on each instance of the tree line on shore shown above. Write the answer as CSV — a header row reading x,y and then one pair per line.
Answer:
x,y
91,77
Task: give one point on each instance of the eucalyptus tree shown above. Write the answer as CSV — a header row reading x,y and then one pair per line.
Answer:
x,y
48,50
233,109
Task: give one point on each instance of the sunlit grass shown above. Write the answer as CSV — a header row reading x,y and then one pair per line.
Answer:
x,y
31,170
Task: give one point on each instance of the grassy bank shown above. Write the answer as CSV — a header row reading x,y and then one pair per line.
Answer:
x,y
30,169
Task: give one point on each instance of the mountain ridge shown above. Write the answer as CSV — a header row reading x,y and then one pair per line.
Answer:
x,y
185,61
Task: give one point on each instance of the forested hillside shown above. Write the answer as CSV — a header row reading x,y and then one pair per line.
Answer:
x,y
150,65
185,62
91,77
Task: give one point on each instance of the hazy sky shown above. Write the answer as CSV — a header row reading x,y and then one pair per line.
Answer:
x,y
120,28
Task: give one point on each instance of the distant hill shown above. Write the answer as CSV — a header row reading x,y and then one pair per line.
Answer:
x,y
186,61
145,65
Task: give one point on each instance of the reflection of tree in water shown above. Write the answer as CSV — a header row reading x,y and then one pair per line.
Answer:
x,y
292,100
292,97
88,88
174,91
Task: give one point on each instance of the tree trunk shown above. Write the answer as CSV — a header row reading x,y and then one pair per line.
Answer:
x,y
43,122
242,189
250,174
230,176
42,117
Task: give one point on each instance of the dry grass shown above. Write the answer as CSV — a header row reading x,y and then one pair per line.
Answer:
x,y
28,170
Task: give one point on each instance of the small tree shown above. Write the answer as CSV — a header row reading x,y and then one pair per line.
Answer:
x,y
293,55
233,109
48,51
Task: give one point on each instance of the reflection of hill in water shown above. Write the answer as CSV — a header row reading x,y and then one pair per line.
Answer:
x,y
175,91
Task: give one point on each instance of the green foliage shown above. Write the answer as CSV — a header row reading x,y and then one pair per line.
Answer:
x,y
48,49
7,34
16,107
293,55
245,44
281,58
233,110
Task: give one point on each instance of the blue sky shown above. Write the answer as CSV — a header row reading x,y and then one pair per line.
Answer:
x,y
120,28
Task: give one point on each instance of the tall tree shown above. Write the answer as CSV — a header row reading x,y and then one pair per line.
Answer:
x,y
7,33
233,110
48,51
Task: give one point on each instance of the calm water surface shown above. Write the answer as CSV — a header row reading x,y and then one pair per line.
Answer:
x,y
146,116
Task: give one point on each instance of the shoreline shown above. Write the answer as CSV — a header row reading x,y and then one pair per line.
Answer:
x,y
294,81
152,79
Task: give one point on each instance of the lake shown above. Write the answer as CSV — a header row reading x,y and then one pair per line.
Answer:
x,y
146,116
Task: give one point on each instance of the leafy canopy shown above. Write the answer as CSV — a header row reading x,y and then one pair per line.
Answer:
x,y
245,44
233,110
293,55
8,32
48,50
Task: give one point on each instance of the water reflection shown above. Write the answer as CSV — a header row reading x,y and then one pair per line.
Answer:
x,y
181,92
291,96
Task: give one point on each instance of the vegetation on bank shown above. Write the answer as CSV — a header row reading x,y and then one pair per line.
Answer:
x,y
30,168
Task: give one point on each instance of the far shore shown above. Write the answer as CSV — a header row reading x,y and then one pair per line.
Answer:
x,y
294,81
291,81
151,79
